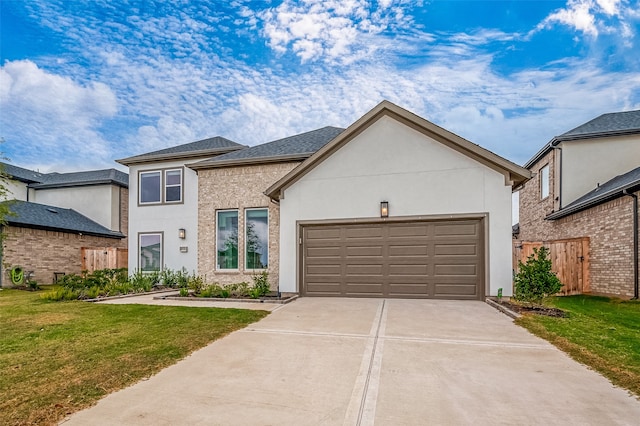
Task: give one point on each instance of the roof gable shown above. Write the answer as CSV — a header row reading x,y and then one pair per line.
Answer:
x,y
41,216
513,173
292,148
202,148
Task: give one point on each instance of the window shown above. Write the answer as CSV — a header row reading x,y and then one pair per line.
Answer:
x,y
150,187
157,186
150,252
256,238
544,182
227,239
173,186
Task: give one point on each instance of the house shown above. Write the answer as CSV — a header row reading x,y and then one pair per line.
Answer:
x,y
585,185
54,216
396,206
163,200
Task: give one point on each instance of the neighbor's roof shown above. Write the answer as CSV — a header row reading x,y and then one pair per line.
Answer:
x,y
611,124
22,174
92,177
41,216
614,188
512,172
202,148
292,148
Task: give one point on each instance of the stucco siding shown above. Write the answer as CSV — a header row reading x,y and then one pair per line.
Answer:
x,y
586,163
418,176
166,219
95,202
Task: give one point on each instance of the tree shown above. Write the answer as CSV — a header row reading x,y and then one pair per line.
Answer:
x,y
535,281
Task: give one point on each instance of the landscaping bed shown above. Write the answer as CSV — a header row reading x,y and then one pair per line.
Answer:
x,y
269,298
530,308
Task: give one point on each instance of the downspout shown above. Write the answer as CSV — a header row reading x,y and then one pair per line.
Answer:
x,y
559,178
635,241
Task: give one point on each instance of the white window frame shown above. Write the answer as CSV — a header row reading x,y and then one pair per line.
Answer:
x,y
545,182
217,268
163,186
166,185
143,234
246,228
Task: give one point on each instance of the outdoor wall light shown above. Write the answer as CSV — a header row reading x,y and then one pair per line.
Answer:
x,y
384,209
182,233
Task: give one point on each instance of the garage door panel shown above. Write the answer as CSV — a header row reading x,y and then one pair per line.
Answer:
x,y
427,259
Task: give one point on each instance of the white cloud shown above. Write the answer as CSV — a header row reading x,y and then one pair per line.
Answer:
x,y
577,15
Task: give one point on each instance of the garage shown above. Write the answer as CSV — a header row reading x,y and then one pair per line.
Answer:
x,y
415,259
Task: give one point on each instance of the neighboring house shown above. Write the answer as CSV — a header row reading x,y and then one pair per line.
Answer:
x,y
163,200
584,185
56,215
393,206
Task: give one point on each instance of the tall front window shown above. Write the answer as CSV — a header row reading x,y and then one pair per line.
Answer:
x,y
160,186
256,238
544,182
150,246
227,239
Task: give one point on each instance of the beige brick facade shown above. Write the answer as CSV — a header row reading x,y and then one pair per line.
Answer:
x,y
238,188
47,252
609,227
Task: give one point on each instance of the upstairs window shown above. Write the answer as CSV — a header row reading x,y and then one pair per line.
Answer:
x,y
544,182
160,186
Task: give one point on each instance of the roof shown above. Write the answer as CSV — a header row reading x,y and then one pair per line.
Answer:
x,y
202,148
292,148
610,190
22,174
513,173
92,177
41,216
606,125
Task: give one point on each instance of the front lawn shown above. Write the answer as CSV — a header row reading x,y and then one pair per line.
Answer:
x,y
600,332
59,357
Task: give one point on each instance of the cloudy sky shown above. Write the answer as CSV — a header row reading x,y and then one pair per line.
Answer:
x,y
84,82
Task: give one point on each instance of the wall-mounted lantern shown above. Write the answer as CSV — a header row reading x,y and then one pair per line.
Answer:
x,y
384,209
182,233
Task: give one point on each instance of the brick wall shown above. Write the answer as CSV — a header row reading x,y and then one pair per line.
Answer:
x,y
46,252
236,188
609,227
124,216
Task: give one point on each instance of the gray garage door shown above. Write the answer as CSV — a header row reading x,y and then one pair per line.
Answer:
x,y
420,259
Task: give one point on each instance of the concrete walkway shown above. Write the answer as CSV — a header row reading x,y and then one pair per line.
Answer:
x,y
368,361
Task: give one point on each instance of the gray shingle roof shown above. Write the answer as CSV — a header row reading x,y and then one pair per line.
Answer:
x,y
92,177
202,147
297,147
605,192
615,122
21,174
41,216
611,124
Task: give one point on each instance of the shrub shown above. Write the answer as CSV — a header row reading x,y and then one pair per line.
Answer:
x,y
535,281
260,285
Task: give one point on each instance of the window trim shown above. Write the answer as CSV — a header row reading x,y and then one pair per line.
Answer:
x,y
246,211
163,186
216,267
140,235
544,171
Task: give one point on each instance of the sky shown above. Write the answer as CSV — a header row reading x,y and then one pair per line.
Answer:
x,y
85,82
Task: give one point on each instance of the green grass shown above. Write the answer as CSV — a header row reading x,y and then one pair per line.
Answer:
x,y
59,357
600,332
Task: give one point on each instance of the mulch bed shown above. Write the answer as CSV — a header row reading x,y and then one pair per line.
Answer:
x,y
533,309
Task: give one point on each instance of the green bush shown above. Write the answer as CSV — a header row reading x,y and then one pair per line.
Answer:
x,y
535,281
260,285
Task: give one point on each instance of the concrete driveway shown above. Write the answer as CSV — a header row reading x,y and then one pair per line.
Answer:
x,y
333,361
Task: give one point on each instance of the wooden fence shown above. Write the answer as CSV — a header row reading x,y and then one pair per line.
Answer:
x,y
94,258
569,259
